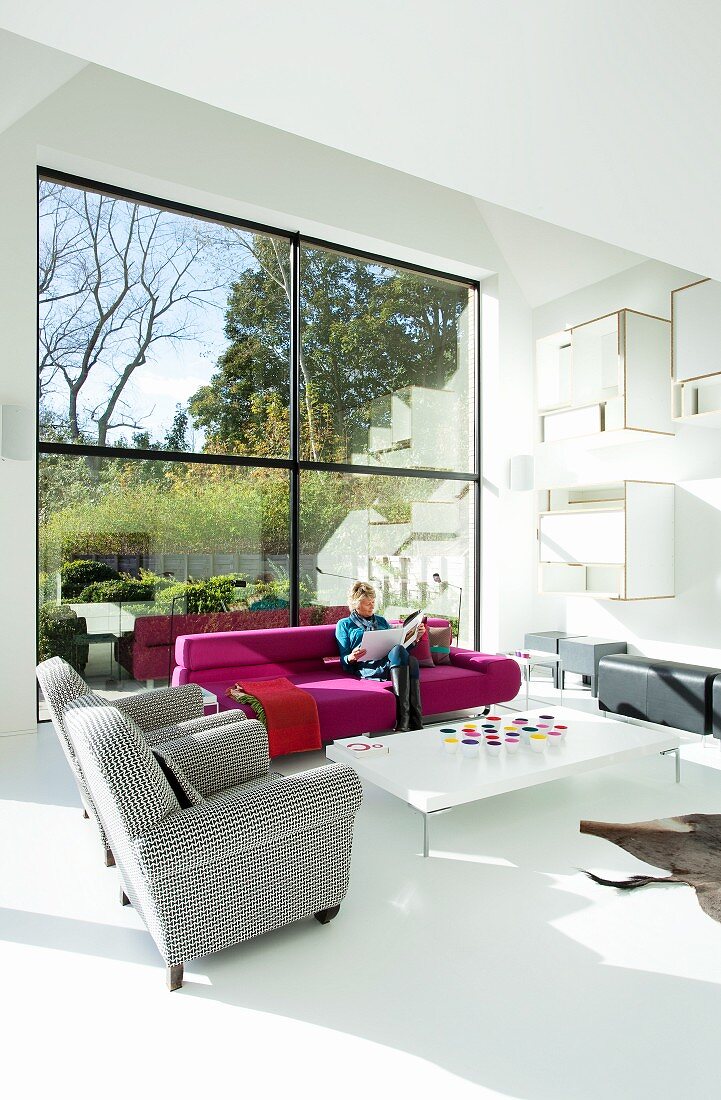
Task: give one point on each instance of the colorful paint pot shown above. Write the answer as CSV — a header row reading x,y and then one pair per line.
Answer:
x,y
494,748
538,742
469,746
451,744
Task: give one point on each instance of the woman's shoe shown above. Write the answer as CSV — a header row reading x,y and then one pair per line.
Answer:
x,y
400,679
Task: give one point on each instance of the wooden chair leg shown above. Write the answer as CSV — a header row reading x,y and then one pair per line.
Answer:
x,y
109,858
124,899
326,915
174,976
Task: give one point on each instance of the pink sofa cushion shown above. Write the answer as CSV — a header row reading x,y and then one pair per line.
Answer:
x,y
346,706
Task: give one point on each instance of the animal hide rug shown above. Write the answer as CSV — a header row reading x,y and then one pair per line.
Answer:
x,y
689,847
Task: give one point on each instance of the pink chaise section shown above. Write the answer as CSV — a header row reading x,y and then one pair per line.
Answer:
x,y
346,706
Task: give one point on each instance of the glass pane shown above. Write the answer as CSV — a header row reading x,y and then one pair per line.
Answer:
x,y
135,553
412,537
160,331
387,365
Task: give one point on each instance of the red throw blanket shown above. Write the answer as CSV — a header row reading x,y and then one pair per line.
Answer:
x,y
291,714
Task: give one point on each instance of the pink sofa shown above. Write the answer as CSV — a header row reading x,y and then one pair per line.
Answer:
x,y
346,706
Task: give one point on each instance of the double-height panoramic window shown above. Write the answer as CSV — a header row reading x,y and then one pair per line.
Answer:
x,y
233,421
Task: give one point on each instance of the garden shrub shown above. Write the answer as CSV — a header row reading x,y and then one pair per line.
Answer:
x,y
77,575
57,626
200,597
122,590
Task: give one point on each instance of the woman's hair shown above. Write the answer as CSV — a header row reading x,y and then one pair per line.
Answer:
x,y
358,591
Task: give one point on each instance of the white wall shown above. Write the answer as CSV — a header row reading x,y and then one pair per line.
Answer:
x,y
124,132
687,627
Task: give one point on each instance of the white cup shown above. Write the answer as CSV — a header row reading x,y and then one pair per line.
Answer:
x,y
451,744
469,747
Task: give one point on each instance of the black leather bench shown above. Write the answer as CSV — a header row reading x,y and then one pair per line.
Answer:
x,y
687,697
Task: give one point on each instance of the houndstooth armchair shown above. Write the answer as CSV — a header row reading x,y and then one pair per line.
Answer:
x,y
238,860
162,714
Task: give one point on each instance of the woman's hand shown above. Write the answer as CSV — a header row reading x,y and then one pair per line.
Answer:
x,y
356,654
421,631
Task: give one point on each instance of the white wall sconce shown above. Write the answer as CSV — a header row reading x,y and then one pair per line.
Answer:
x,y
17,433
520,478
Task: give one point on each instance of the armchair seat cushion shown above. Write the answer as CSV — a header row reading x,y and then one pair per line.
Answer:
x,y
194,725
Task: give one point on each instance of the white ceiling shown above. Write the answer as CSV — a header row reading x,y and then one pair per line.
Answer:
x,y
597,117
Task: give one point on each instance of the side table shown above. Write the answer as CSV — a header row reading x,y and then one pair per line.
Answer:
x,y
210,702
582,655
542,660
547,641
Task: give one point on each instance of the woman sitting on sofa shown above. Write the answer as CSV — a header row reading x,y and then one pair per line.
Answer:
x,y
400,666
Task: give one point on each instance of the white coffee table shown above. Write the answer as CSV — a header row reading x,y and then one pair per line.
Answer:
x,y
418,770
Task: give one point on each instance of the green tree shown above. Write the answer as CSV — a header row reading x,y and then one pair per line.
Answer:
x,y
367,330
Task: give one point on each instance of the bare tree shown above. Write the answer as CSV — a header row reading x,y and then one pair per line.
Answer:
x,y
115,278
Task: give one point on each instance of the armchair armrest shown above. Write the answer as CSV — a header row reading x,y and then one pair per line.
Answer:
x,y
150,710
214,831
220,757
195,725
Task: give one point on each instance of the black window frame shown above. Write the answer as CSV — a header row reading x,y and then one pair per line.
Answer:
x,y
294,464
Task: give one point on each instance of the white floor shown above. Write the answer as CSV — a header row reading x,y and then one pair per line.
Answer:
x,y
492,969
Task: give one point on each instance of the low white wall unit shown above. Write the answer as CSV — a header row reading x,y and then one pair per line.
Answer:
x,y
696,353
613,542
606,378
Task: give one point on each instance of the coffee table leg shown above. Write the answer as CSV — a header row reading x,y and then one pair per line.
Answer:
x,y
677,753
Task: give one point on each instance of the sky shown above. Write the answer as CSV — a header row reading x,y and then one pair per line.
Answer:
x,y
175,369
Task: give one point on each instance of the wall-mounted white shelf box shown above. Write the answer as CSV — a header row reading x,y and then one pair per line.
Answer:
x,y
606,379
696,353
611,542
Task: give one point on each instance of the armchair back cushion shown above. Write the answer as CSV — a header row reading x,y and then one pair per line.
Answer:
x,y
130,791
61,684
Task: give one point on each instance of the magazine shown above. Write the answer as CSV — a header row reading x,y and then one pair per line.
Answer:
x,y
378,643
